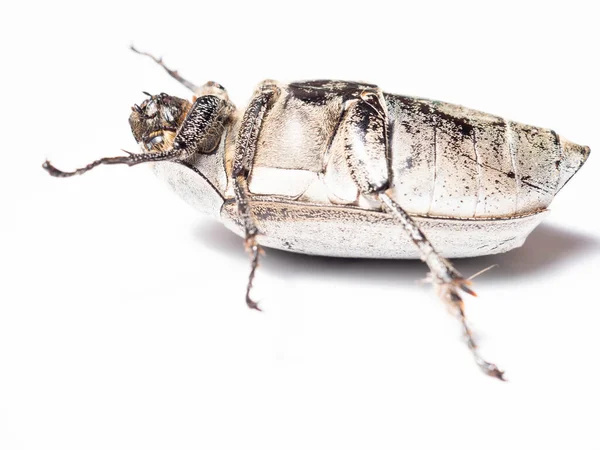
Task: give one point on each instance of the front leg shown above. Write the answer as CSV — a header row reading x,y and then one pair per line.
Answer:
x,y
245,150
364,129
199,131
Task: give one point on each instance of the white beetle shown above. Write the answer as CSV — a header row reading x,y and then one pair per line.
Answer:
x,y
343,169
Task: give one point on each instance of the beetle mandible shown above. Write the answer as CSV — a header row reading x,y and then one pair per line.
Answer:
x,y
339,168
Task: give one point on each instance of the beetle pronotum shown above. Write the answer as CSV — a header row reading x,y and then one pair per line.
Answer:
x,y
343,169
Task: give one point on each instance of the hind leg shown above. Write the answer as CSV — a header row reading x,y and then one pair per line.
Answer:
x,y
448,282
364,128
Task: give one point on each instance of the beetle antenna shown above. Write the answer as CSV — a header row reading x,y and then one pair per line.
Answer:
x,y
131,160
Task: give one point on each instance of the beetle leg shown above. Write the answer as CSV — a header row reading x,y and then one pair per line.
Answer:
x,y
252,247
131,160
175,74
254,251
242,165
447,281
364,128
199,132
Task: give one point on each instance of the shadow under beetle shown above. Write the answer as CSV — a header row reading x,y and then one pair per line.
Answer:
x,y
340,168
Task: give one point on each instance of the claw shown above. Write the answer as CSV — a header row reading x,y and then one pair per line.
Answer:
x,y
252,304
465,287
492,370
48,167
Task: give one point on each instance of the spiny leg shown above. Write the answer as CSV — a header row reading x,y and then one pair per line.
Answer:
x,y
254,250
447,280
250,244
487,367
175,74
366,149
196,133
242,165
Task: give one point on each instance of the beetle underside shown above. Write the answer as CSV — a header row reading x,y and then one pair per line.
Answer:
x,y
341,169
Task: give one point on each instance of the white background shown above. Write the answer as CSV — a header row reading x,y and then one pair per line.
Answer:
x,y
122,319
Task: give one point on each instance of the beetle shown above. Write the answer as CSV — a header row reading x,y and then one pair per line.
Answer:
x,y
343,169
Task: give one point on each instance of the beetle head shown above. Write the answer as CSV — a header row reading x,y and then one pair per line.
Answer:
x,y
155,122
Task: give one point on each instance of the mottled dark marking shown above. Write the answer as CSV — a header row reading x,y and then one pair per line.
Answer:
x,y
308,95
433,115
203,125
319,92
537,187
556,138
479,163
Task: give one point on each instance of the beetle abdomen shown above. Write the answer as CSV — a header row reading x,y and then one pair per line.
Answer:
x,y
343,231
452,161
446,160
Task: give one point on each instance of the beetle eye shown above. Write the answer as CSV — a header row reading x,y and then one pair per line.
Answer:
x,y
151,108
156,140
